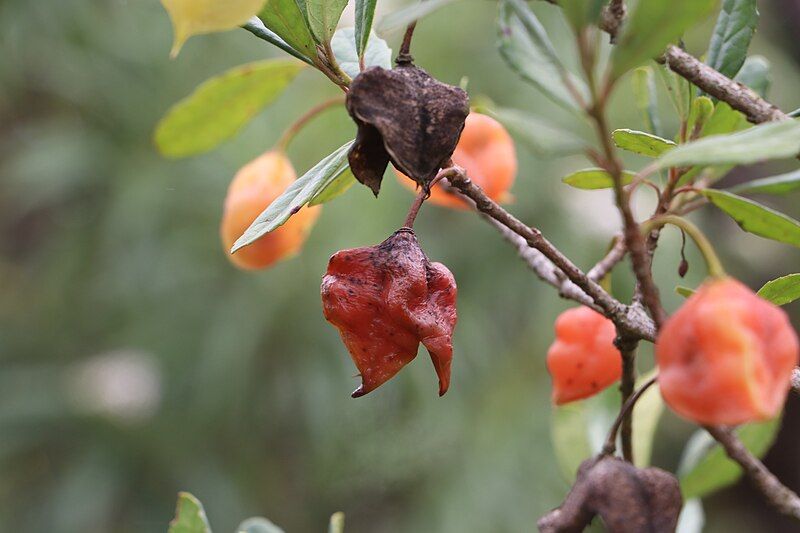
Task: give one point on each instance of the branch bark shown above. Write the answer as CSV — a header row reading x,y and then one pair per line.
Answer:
x,y
738,96
781,497
630,320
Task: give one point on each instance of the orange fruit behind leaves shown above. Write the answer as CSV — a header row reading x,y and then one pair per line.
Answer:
x,y
486,151
253,188
583,359
726,356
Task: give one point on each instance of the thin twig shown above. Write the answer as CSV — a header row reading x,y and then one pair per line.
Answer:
x,y
611,441
304,119
610,260
404,55
781,497
634,241
627,348
626,318
423,194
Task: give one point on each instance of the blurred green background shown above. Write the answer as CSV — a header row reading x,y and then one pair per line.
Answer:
x,y
135,361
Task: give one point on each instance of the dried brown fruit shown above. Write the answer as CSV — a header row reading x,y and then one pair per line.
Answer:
x,y
385,300
406,116
628,499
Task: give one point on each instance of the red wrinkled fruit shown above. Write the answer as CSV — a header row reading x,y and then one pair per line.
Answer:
x,y
385,300
583,359
726,356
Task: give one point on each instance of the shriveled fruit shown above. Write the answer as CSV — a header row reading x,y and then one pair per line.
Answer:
x,y
385,300
583,359
405,116
486,151
253,188
628,499
726,356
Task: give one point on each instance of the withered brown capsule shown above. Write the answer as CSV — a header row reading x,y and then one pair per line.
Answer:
x,y
628,499
385,300
406,116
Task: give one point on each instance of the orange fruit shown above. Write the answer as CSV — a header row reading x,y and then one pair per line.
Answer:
x,y
583,359
726,356
253,188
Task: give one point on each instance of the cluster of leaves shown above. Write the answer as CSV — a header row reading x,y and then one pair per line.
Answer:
x,y
190,517
713,138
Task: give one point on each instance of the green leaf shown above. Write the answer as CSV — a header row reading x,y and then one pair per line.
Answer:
x,y
403,17
595,178
781,291
705,468
702,110
679,91
686,292
781,184
581,13
298,194
343,44
258,525
285,18
541,136
733,32
724,119
755,74
340,185
646,414
218,108
641,143
644,90
652,26
336,524
256,26
756,218
527,49
365,11
774,140
323,16
189,516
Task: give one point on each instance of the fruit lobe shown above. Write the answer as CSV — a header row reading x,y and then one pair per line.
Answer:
x,y
486,151
726,356
253,188
583,359
385,300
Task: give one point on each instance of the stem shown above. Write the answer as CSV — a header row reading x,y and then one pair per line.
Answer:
x,y
615,254
627,348
634,241
424,193
404,55
290,132
627,318
781,497
611,441
334,65
713,263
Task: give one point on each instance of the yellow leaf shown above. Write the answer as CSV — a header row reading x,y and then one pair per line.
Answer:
x,y
193,17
